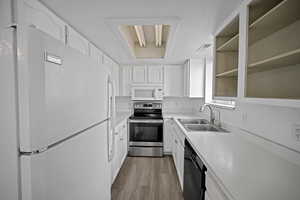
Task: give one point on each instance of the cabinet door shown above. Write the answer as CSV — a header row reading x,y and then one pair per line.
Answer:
x,y
121,150
174,80
96,54
76,41
181,164
213,190
40,17
125,80
124,142
155,74
115,163
116,78
168,136
139,74
195,78
175,149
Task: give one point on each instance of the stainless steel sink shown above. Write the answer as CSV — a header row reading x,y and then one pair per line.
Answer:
x,y
199,125
193,121
203,127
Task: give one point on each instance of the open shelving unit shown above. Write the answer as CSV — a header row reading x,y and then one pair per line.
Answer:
x,y
284,13
231,45
273,69
229,73
226,66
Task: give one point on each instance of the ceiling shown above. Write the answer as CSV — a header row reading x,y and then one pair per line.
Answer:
x,y
198,19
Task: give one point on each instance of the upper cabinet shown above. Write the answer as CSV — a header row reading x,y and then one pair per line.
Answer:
x,y
96,54
194,78
273,66
125,76
41,18
139,74
151,74
113,70
174,80
76,41
226,60
171,77
155,74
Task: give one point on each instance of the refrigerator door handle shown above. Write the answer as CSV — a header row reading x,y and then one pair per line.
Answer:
x,y
34,152
44,149
110,116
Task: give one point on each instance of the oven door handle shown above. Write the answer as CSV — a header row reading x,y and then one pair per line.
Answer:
x,y
146,121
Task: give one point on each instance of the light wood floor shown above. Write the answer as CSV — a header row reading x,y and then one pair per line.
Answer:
x,y
143,178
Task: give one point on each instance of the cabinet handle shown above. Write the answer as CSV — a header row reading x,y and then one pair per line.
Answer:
x,y
176,141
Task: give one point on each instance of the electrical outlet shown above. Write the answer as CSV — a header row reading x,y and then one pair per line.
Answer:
x,y
296,132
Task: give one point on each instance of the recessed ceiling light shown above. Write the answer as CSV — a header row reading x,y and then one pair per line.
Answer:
x,y
140,35
158,34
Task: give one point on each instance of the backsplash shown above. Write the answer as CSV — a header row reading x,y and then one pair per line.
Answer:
x,y
273,123
182,104
170,104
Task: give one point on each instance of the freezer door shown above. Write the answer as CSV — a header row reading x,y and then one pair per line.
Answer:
x,y
75,170
67,91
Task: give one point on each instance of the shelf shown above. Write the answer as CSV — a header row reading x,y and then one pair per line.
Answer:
x,y
282,60
229,73
231,45
280,16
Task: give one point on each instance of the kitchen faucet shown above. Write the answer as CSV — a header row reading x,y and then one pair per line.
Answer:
x,y
212,116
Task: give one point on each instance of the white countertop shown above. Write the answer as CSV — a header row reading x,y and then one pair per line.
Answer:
x,y
244,169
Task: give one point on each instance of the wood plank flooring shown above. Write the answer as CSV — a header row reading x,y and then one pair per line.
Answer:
x,y
145,178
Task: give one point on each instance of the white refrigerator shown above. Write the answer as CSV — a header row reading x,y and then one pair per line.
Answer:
x,y
8,129
65,141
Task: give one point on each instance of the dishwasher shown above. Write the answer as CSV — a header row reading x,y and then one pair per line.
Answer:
x,y
194,175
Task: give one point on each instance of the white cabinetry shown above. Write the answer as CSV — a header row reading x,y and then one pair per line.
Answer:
x,y
113,70
173,80
120,150
168,136
96,54
76,41
115,75
116,157
155,74
194,74
125,80
178,151
41,18
143,74
213,190
139,74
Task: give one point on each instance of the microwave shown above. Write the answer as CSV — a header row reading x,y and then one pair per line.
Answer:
x,y
146,93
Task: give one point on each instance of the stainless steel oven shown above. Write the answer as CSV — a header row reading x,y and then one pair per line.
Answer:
x,y
146,130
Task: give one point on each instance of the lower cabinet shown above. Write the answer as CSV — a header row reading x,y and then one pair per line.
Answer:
x,y
168,136
213,190
120,149
177,146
